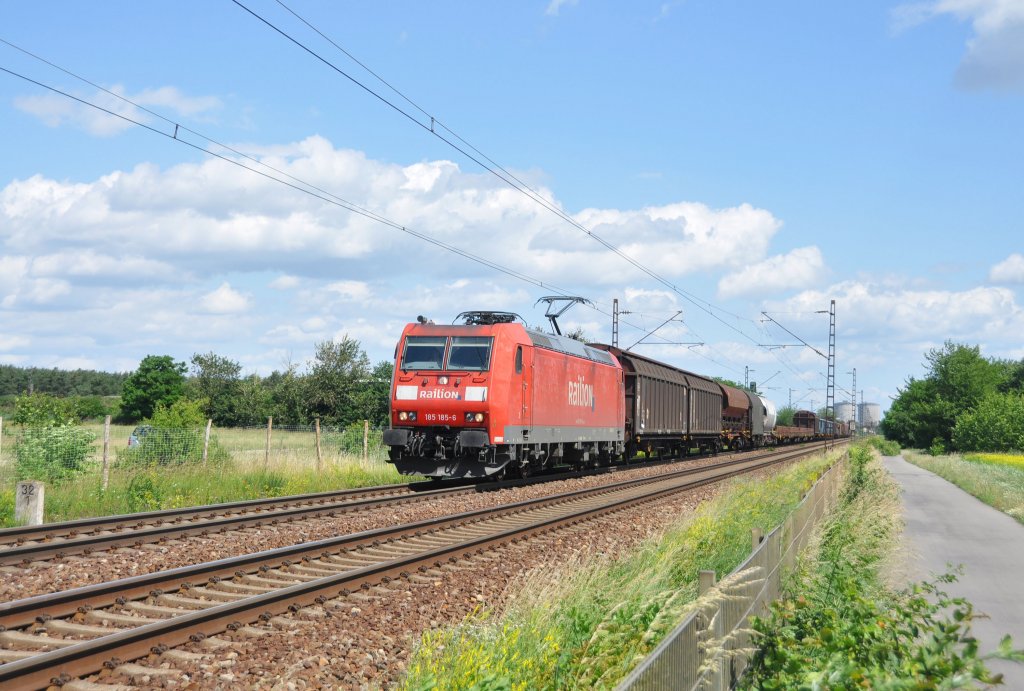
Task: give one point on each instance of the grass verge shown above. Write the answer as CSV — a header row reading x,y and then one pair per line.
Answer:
x,y
996,479
169,487
586,625
840,627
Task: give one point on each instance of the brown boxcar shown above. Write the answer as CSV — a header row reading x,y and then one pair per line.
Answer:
x,y
668,409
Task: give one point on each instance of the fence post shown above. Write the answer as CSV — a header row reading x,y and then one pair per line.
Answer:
x,y
266,454
366,440
756,535
206,440
106,452
705,582
1,437
28,503
319,454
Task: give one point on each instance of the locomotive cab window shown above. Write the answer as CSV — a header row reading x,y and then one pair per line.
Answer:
x,y
519,359
424,352
470,353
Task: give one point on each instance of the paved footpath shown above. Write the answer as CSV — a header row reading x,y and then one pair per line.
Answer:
x,y
945,525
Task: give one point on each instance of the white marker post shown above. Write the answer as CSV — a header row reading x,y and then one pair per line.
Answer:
x,y
28,503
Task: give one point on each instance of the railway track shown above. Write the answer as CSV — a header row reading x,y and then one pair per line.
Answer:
x,y
55,638
35,543
26,544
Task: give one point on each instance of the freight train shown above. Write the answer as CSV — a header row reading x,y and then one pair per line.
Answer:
x,y
491,397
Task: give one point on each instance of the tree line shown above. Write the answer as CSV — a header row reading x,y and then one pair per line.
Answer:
x,y
80,382
339,386
965,402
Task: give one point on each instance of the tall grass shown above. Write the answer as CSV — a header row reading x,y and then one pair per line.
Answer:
x,y
586,625
242,470
840,627
996,479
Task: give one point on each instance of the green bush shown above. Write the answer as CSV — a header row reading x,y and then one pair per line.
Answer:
x,y
144,493
169,446
840,627
175,437
52,453
43,410
996,424
937,448
921,639
6,507
886,447
350,441
91,407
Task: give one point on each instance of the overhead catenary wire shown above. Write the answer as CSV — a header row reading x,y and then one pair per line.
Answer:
x,y
495,169
297,183
329,197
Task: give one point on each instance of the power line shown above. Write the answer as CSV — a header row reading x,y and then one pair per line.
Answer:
x,y
313,191
324,195
505,175
298,184
495,169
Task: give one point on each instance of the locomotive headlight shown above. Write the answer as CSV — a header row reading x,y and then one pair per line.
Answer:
x,y
403,416
479,417
469,417
412,416
442,380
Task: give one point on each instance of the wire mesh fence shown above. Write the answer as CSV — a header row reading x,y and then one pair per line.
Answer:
x,y
709,650
57,453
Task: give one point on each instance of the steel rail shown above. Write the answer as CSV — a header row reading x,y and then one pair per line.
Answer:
x,y
50,531
211,523
25,611
83,658
25,544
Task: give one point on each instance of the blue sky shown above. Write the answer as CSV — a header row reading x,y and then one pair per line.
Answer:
x,y
760,157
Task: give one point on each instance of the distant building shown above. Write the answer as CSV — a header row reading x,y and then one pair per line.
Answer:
x,y
870,415
845,412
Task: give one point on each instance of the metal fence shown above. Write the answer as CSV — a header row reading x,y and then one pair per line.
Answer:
x,y
711,648
58,452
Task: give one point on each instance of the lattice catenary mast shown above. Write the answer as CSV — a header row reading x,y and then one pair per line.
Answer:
x,y
830,393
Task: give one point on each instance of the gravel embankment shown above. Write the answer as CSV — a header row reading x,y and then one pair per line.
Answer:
x,y
74,571
363,641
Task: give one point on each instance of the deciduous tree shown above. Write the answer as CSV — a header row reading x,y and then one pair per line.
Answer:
x,y
158,380
216,379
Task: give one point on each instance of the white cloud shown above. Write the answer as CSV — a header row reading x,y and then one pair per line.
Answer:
x,y
995,51
874,310
13,342
56,110
92,263
555,5
1010,270
73,363
194,218
224,300
284,283
355,291
797,269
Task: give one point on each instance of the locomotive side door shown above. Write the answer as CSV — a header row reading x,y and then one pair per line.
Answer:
x,y
520,411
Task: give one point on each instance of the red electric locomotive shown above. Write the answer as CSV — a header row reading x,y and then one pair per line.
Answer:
x,y
491,396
